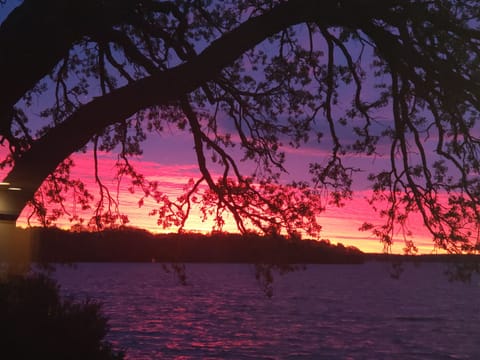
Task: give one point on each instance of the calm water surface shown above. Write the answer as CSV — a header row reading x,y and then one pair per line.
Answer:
x,y
324,312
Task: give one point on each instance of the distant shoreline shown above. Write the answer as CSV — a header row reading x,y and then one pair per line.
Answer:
x,y
53,245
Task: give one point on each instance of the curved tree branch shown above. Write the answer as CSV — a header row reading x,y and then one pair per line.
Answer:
x,y
160,88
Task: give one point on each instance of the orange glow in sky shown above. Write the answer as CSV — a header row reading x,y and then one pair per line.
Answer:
x,y
338,224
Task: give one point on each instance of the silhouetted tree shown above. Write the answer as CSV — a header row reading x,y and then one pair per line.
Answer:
x,y
133,245
384,76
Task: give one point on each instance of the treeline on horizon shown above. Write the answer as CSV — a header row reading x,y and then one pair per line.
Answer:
x,y
53,245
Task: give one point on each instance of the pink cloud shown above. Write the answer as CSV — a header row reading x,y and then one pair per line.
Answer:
x,y
342,225
339,224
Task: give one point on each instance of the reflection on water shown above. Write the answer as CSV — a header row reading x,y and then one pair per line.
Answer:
x,y
324,312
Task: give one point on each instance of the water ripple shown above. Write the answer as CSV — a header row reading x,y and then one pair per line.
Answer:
x,y
325,312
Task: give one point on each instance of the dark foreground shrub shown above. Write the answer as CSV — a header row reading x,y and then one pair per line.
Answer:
x,y
36,323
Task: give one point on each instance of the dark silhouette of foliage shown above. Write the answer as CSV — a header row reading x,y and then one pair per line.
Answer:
x,y
135,245
360,77
36,323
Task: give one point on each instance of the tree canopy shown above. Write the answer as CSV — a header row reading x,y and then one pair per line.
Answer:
x,y
386,76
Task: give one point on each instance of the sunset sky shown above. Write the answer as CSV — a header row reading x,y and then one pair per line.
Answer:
x,y
170,159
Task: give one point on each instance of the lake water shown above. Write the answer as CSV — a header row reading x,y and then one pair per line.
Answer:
x,y
324,312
